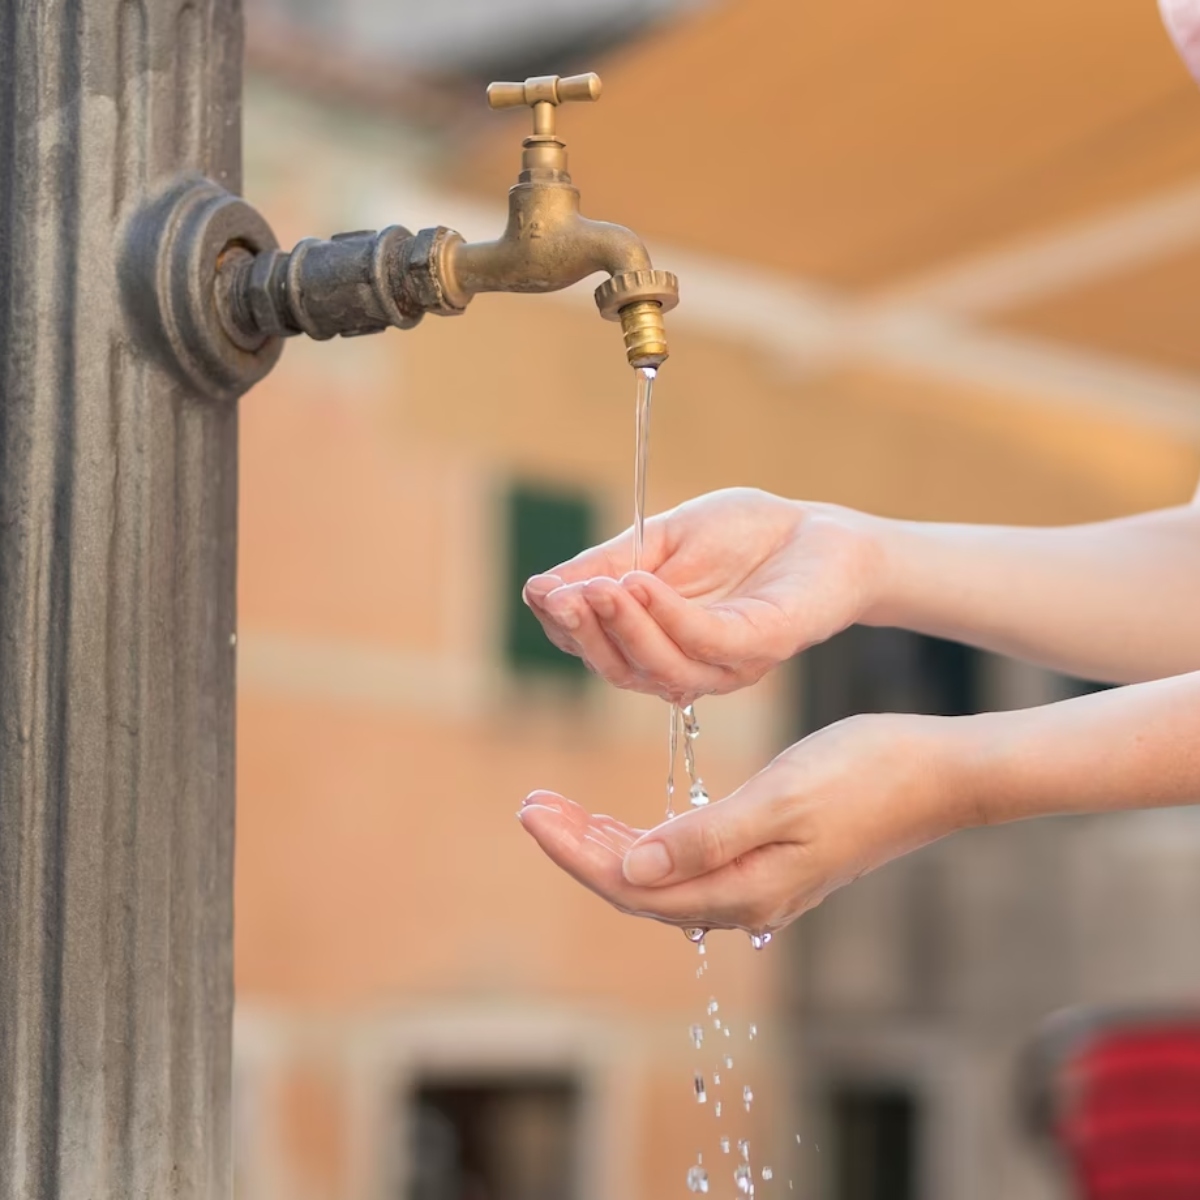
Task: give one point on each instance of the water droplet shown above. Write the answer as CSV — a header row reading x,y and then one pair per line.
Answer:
x,y
759,940
698,794
717,1024
717,1108
697,1179
791,1186
728,1062
753,1032
724,1145
744,1180
713,1006
798,1139
747,1097
691,727
694,934
767,1173
701,1094
744,1149
727,1031
697,1036
716,1080
702,948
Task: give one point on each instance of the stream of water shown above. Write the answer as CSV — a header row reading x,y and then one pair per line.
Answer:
x,y
683,720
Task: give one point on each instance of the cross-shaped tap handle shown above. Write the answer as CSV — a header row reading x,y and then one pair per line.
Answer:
x,y
543,94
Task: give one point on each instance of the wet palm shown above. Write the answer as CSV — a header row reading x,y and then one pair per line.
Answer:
x,y
734,583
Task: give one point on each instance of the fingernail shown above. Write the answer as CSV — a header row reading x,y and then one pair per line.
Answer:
x,y
542,585
647,863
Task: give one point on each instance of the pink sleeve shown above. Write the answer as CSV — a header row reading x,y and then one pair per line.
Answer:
x,y
1182,19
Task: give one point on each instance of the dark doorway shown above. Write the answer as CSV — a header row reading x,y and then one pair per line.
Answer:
x,y
503,1139
875,1143
867,670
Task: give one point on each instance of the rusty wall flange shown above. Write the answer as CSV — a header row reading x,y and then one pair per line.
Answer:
x,y
174,249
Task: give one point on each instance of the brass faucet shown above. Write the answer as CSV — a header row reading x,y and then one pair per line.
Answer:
x,y
359,283
548,244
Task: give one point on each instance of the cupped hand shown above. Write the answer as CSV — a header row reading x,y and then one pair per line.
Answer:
x,y
838,804
732,583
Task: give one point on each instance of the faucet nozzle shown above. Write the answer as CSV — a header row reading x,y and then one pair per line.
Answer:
x,y
638,299
645,334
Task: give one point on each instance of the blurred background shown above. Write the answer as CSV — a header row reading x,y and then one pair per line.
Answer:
x,y
938,261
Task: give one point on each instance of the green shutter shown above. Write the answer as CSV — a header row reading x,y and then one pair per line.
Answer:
x,y
544,528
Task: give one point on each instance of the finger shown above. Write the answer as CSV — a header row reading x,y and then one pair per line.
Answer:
x,y
645,646
557,630
725,634
568,606
538,587
615,557
738,895
707,839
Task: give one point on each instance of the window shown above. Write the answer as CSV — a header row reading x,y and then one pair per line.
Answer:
x,y
887,670
544,528
511,1139
875,1143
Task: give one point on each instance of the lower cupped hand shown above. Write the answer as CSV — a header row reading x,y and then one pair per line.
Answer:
x,y
838,804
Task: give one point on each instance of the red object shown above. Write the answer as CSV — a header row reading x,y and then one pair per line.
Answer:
x,y
1128,1111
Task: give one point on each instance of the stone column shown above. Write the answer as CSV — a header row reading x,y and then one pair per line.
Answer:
x,y
118,497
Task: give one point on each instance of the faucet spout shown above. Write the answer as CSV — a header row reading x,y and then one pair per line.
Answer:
x,y
546,246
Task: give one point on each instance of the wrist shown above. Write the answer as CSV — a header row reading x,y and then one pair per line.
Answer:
x,y
978,763
865,547
897,550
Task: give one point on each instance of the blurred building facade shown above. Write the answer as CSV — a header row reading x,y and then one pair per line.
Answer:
x,y
931,266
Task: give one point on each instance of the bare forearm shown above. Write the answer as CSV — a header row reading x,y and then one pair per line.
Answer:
x,y
1133,747
1117,601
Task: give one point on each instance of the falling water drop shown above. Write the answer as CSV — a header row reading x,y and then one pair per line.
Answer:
x,y
698,795
744,1149
697,1036
747,1097
713,1006
726,1031
694,934
716,1080
717,1108
728,1062
701,1094
744,1180
759,940
717,1024
701,947
768,1174
697,1179
753,1032
724,1145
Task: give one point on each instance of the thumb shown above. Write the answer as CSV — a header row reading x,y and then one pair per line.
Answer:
x,y
702,840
